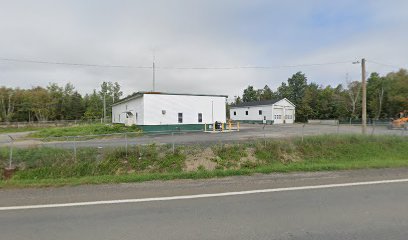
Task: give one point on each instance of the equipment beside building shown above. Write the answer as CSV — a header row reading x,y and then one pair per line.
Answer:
x,y
401,121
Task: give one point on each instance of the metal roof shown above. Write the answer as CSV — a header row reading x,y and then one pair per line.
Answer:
x,y
139,94
257,103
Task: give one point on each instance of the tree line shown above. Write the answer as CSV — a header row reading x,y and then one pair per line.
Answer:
x,y
56,102
387,96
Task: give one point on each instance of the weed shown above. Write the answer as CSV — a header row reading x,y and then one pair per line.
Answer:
x,y
228,156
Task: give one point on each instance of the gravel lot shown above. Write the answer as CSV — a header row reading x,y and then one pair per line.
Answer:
x,y
247,132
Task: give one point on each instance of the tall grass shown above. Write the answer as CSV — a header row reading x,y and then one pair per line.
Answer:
x,y
328,152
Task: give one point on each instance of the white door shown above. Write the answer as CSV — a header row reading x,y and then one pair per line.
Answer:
x,y
278,115
289,116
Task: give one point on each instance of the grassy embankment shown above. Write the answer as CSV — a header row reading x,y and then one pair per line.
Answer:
x,y
54,167
82,130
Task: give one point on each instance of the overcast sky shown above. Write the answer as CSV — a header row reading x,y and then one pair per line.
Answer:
x,y
206,33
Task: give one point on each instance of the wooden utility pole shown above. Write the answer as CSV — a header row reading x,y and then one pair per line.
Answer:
x,y
364,97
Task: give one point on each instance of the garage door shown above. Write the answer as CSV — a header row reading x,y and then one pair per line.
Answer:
x,y
278,115
289,116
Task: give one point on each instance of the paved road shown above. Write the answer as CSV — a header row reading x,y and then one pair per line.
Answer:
x,y
248,132
358,212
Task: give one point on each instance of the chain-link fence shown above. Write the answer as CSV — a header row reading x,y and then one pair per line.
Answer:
x,y
56,123
24,152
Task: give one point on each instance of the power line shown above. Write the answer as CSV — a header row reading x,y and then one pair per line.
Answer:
x,y
170,67
68,64
254,67
385,64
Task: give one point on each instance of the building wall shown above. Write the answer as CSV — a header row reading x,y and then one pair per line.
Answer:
x,y
135,106
280,112
161,109
253,113
283,112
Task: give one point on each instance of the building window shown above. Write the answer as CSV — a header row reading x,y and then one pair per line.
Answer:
x,y
235,113
164,112
246,112
180,117
136,116
260,112
200,117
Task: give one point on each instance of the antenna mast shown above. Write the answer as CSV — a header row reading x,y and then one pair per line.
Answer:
x,y
154,72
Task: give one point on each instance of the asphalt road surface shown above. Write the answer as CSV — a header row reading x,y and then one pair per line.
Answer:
x,y
374,211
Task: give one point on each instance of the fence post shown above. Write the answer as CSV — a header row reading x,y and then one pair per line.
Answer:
x,y
372,132
126,146
172,137
338,127
303,130
11,152
263,128
75,149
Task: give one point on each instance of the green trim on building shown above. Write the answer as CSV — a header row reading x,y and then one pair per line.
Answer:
x,y
268,122
172,127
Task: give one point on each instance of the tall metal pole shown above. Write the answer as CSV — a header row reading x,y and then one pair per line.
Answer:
x,y
212,111
154,72
364,100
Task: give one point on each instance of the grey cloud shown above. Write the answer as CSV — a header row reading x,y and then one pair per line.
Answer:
x,y
188,33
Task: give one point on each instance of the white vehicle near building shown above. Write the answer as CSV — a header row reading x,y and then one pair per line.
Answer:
x,y
159,111
268,112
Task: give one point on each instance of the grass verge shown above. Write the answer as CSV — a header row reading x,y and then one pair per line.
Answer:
x,y
57,167
83,130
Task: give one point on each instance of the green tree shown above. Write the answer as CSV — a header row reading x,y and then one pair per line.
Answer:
x,y
94,106
250,94
7,104
297,86
42,103
354,99
377,89
398,92
267,93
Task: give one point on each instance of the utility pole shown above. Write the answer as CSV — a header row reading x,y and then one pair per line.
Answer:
x,y
364,96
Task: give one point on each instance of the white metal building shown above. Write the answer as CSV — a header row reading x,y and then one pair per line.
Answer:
x,y
159,109
269,111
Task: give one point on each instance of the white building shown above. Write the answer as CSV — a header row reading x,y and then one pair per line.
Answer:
x,y
167,111
269,111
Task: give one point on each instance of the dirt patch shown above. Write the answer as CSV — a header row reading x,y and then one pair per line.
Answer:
x,y
250,156
202,158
